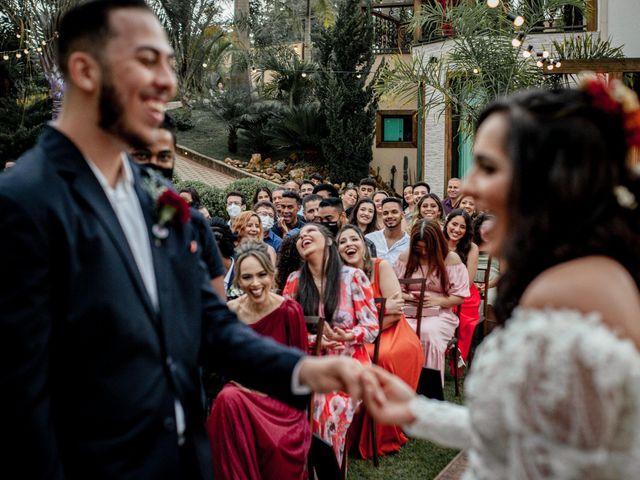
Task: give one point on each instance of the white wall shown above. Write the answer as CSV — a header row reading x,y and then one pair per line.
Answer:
x,y
619,20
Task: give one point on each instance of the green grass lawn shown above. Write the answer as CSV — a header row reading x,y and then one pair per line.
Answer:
x,y
417,460
209,137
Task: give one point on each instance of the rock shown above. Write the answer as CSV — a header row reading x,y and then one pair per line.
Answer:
x,y
297,174
281,166
270,171
276,177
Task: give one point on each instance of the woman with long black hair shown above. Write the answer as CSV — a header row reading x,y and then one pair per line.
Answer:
x,y
343,296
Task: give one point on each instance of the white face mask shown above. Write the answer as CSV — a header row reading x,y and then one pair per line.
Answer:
x,y
267,222
233,210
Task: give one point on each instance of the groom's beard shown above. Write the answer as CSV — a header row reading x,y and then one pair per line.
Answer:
x,y
112,118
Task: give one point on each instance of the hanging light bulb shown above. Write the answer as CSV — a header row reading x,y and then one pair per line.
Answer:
x,y
558,64
517,41
545,54
204,65
359,75
26,52
493,3
540,62
476,71
18,55
38,49
528,52
44,43
549,67
304,75
5,57
18,35
518,20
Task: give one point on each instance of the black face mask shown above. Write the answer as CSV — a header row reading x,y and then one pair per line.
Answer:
x,y
165,172
333,227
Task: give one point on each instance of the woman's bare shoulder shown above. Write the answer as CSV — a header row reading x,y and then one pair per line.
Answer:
x,y
451,259
589,284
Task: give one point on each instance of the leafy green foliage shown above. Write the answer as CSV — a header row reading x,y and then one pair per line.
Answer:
x,y
481,65
229,105
213,198
299,130
253,124
347,99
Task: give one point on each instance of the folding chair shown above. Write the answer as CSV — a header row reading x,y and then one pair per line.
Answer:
x,y
405,284
489,320
381,304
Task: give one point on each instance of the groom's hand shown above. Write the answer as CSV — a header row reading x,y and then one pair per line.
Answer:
x,y
333,373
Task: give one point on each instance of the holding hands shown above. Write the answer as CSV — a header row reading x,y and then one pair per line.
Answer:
x,y
386,396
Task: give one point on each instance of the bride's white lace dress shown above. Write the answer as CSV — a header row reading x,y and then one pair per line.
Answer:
x,y
553,395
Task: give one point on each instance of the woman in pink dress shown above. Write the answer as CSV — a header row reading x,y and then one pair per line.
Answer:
x,y
447,286
252,435
343,295
458,231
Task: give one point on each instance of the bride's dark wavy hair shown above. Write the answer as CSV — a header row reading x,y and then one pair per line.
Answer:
x,y
568,156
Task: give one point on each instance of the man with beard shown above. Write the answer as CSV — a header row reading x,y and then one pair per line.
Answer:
x,y
391,241
106,311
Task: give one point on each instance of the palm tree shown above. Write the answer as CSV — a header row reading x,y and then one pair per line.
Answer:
x,y
38,21
483,63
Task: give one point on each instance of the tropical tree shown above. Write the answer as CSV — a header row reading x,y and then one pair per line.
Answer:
x,y
199,43
37,24
282,75
345,56
230,105
486,58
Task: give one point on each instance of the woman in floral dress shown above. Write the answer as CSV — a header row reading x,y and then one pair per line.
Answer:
x,y
342,295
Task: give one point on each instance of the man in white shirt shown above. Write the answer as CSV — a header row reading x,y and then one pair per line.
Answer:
x,y
391,241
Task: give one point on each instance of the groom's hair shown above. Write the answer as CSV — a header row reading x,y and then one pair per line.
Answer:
x,y
85,28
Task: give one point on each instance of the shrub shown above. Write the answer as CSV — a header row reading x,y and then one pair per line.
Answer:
x,y
213,198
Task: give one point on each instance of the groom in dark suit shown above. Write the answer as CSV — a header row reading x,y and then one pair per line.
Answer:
x,y
106,312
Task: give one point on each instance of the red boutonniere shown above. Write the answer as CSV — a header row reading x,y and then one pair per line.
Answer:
x,y
170,208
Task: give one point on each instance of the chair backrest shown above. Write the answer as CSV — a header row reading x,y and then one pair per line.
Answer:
x,y
488,314
381,305
405,284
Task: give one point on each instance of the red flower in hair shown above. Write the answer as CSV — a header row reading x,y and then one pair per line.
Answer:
x,y
601,96
171,207
632,128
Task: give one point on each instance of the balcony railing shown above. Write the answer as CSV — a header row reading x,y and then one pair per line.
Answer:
x,y
390,21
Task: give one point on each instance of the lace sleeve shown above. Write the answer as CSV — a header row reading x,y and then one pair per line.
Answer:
x,y
566,405
441,422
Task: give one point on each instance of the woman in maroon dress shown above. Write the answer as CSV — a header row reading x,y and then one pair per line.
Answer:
x,y
252,435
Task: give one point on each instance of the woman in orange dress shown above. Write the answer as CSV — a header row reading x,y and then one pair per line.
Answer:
x,y
400,351
341,294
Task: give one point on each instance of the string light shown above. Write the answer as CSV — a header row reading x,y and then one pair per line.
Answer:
x,y
550,67
204,65
18,55
540,62
5,57
528,52
476,71
493,3
359,75
558,64
26,42
518,20
545,54
304,75
517,41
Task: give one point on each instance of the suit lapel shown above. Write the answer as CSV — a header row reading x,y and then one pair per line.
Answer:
x,y
72,165
159,250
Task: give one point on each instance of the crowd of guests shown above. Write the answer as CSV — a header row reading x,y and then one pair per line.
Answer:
x,y
308,250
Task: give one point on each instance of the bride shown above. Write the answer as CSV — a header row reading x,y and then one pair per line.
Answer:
x,y
555,392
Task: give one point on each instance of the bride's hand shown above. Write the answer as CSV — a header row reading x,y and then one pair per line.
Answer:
x,y
387,397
